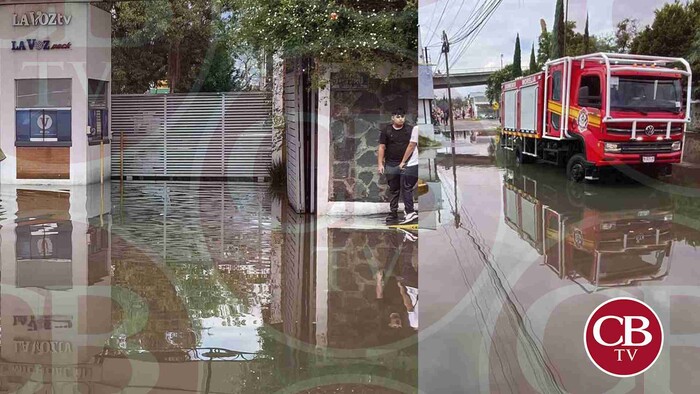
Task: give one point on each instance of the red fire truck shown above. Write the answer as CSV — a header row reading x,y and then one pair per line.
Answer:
x,y
593,238
599,111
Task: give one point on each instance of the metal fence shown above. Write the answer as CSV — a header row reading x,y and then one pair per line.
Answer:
x,y
192,135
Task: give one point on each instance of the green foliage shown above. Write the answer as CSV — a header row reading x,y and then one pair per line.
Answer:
x,y
187,43
606,43
493,84
586,38
277,172
533,62
220,70
625,34
427,143
168,39
675,32
557,49
668,35
543,46
517,61
355,36
578,44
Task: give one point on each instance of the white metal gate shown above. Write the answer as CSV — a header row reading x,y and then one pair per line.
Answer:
x,y
226,135
300,116
294,119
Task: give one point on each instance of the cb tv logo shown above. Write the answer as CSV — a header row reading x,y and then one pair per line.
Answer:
x,y
623,337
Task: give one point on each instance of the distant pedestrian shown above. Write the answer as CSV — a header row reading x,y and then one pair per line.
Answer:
x,y
398,161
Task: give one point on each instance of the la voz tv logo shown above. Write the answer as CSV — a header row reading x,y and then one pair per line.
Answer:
x,y
623,337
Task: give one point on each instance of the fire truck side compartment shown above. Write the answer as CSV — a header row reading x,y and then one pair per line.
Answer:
x,y
510,110
528,109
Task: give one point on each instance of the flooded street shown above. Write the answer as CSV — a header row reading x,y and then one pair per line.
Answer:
x,y
199,287
521,258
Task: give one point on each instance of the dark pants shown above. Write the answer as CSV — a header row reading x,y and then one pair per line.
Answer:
x,y
401,182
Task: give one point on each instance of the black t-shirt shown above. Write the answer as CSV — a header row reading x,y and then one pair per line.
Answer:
x,y
396,141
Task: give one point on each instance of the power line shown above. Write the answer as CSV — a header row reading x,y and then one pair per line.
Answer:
x,y
447,2
470,19
474,23
473,33
461,4
485,13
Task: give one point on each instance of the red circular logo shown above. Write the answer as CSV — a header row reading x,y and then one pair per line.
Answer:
x,y
623,337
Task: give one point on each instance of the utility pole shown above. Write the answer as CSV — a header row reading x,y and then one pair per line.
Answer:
x,y
446,51
501,61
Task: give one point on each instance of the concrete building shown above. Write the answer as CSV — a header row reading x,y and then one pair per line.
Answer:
x,y
482,108
55,73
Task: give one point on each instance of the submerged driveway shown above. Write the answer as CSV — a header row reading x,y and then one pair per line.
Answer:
x,y
522,257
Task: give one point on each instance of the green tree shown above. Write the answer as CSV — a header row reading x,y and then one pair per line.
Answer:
x,y
575,42
606,43
169,39
668,35
493,84
543,45
188,43
220,73
356,36
674,33
558,33
517,62
586,38
625,34
533,61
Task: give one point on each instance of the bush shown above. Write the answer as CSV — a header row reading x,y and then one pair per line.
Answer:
x,y
426,143
277,172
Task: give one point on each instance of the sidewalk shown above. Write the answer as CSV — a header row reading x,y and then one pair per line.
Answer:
x,y
686,173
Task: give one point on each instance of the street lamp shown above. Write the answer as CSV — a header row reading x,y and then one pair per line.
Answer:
x,y
501,61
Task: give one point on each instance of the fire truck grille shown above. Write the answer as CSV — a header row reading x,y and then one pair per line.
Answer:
x,y
645,147
660,130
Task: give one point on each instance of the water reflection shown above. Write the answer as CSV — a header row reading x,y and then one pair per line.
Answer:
x,y
526,257
55,252
588,235
198,287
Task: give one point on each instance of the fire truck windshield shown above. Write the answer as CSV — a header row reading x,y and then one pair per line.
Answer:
x,y
644,94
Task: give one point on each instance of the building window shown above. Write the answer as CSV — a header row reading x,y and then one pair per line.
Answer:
x,y
43,110
98,116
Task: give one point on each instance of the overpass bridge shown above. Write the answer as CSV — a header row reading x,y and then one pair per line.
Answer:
x,y
462,78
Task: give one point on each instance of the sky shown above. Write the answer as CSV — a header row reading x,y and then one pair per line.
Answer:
x,y
517,17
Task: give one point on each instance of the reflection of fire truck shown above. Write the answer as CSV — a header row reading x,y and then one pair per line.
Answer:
x,y
599,110
585,238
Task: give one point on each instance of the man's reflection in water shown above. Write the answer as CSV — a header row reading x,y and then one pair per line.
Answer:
x,y
403,286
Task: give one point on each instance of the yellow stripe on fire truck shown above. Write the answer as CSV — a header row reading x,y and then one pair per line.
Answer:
x,y
593,119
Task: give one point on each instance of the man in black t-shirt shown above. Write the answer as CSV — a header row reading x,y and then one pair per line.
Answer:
x,y
398,161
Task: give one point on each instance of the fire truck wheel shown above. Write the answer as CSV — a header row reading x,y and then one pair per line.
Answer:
x,y
576,168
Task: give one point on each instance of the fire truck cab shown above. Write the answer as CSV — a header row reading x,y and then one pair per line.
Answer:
x,y
598,111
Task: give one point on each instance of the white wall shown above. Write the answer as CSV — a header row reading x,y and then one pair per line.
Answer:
x,y
89,33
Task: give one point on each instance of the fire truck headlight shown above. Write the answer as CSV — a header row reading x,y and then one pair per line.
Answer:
x,y
612,147
668,218
676,146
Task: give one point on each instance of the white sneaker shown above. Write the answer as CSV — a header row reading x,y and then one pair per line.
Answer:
x,y
409,236
410,217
